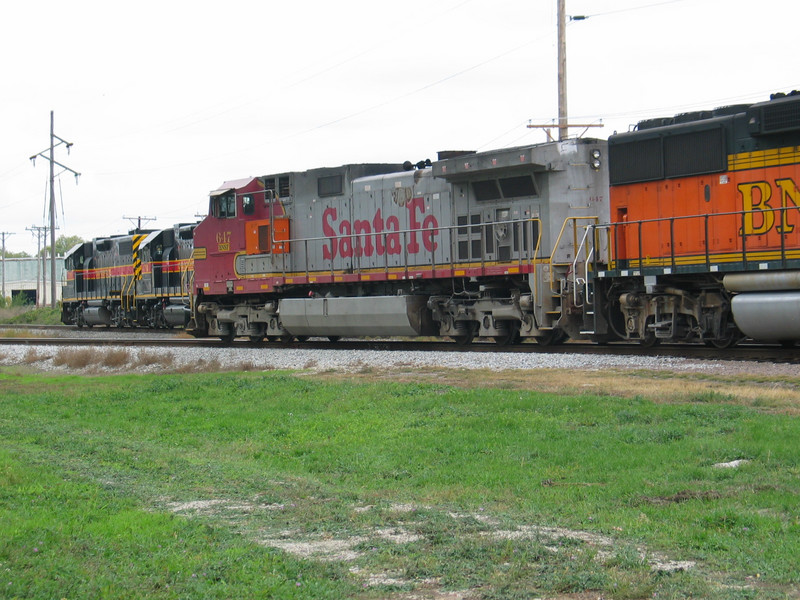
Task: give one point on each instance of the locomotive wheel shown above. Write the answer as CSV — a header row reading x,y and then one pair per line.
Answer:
x,y
554,337
469,331
602,339
512,337
334,338
649,340
463,340
227,338
255,339
731,338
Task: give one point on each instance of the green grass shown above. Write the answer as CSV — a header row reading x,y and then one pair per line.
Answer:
x,y
96,475
27,315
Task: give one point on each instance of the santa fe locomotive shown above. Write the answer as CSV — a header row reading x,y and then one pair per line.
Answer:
x,y
684,229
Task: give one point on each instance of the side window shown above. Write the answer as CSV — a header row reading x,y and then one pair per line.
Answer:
x,y
248,205
223,206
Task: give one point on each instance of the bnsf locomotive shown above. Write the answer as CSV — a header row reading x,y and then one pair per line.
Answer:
x,y
684,229
705,242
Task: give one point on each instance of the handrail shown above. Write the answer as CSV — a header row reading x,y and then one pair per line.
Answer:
x,y
777,215
125,293
589,254
575,246
185,285
357,243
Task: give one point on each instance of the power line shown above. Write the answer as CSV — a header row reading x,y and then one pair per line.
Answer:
x,y
622,10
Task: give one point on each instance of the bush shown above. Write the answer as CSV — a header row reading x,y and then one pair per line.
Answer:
x,y
28,315
20,300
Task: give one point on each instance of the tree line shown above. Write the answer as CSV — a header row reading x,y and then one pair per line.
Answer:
x,y
64,244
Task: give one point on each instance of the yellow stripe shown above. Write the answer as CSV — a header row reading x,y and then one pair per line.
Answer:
x,y
764,158
393,272
199,254
731,257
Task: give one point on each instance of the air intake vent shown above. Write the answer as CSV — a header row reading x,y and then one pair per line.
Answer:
x,y
777,116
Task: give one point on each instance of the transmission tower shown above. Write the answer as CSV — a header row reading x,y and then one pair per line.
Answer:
x,y
48,155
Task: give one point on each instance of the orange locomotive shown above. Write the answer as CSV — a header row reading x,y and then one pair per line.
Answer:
x,y
705,242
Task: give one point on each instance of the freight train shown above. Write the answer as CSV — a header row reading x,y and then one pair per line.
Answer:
x,y
684,229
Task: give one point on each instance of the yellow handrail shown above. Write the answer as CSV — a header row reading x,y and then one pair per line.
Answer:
x,y
594,220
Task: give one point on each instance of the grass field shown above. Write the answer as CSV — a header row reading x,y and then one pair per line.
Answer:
x,y
26,315
278,485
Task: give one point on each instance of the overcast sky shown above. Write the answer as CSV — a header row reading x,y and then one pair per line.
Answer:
x,y
164,100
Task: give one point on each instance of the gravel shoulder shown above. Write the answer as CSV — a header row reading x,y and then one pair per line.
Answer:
x,y
154,359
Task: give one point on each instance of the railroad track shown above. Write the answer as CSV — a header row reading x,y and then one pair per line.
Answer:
x,y
161,338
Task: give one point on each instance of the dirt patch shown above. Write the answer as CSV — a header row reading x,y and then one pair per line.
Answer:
x,y
318,549
252,518
682,496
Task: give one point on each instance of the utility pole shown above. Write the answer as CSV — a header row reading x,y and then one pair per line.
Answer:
x,y
51,158
3,234
138,221
563,128
41,270
563,121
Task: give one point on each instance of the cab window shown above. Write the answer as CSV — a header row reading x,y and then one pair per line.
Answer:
x,y
223,206
248,205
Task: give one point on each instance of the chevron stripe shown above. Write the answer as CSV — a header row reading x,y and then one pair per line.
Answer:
x,y
137,261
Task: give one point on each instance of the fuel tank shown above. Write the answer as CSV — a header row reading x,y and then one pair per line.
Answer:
x,y
357,316
97,315
768,316
762,282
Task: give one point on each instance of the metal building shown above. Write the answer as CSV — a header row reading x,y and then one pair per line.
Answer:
x,y
24,276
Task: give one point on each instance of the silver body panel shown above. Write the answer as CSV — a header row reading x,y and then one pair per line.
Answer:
x,y
354,317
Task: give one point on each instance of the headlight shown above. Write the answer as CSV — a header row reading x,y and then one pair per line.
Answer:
x,y
595,153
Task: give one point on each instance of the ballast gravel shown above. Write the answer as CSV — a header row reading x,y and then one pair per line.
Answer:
x,y
150,359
